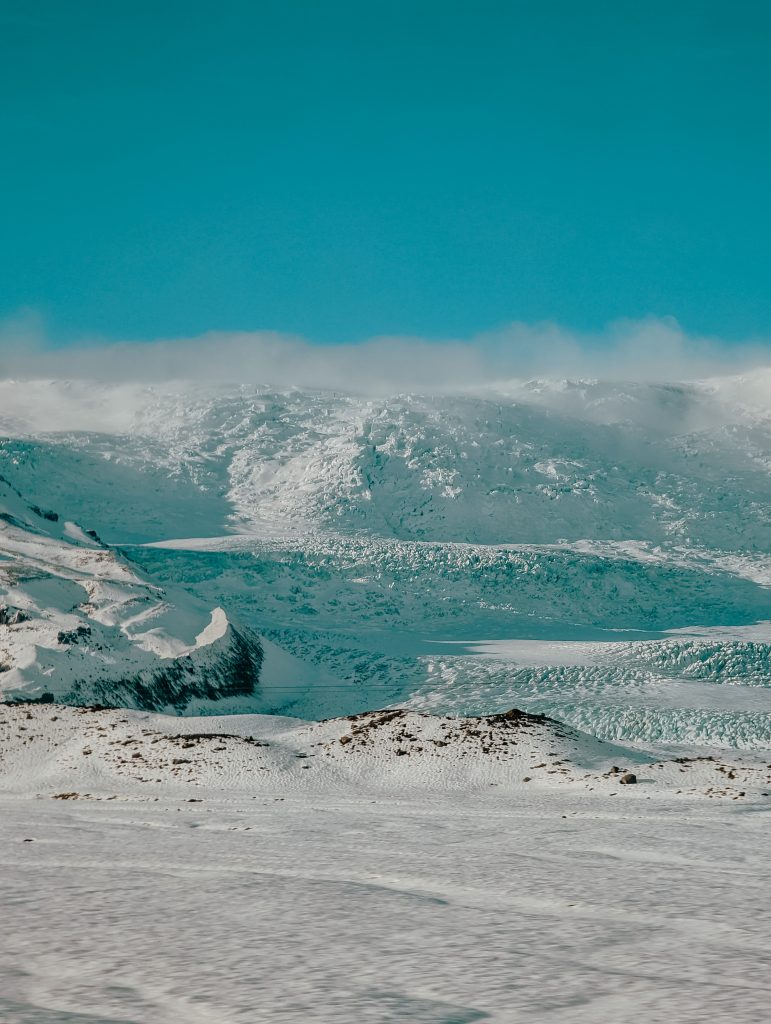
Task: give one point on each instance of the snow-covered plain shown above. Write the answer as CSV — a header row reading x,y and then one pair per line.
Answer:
x,y
267,869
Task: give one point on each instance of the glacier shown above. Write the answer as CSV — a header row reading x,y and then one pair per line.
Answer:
x,y
594,550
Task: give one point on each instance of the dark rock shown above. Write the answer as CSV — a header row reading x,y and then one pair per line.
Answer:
x,y
233,671
12,616
44,513
72,636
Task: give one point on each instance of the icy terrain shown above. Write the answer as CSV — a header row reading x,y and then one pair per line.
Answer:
x,y
593,552
598,551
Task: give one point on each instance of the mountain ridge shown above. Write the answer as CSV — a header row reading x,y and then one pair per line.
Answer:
x,y
80,623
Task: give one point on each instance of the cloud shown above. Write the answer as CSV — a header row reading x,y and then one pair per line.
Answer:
x,y
652,349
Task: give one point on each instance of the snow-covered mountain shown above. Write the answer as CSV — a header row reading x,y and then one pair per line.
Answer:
x,y
79,623
599,551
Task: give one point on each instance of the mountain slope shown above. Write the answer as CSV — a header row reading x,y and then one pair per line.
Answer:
x,y
81,624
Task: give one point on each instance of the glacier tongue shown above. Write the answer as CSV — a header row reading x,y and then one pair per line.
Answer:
x,y
375,544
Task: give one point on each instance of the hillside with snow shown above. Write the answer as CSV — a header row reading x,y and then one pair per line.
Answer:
x,y
81,624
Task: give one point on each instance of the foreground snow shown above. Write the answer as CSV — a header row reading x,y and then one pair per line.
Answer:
x,y
249,868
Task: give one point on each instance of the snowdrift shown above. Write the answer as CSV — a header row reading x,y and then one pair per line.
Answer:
x,y
99,753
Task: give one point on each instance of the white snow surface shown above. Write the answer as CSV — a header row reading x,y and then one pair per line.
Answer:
x,y
262,869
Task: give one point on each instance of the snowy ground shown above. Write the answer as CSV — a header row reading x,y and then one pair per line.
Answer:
x,y
256,869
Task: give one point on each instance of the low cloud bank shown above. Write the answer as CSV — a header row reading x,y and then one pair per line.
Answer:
x,y
645,350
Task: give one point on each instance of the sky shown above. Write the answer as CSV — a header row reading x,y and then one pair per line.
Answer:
x,y
343,171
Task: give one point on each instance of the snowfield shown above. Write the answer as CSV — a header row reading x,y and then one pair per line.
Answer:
x,y
393,867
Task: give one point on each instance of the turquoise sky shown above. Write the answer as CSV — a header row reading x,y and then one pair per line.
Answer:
x,y
342,170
